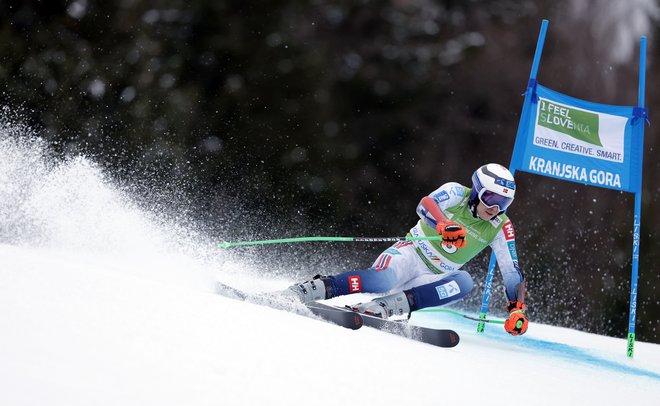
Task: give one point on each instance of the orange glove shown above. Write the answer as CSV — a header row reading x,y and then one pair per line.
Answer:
x,y
517,322
452,234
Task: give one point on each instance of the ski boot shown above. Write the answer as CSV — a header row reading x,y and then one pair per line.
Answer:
x,y
319,288
397,304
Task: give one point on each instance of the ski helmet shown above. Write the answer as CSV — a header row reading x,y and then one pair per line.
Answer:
x,y
493,185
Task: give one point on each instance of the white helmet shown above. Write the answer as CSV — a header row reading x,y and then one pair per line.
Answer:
x,y
493,185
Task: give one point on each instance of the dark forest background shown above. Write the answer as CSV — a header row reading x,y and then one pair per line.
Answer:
x,y
287,118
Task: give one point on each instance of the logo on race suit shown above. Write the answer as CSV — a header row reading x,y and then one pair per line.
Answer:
x,y
450,249
512,250
509,234
496,221
448,290
354,284
442,196
395,248
382,262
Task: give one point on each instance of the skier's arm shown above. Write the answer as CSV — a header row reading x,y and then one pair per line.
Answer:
x,y
430,208
504,247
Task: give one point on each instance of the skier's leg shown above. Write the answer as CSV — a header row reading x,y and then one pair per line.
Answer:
x,y
444,289
318,288
451,287
394,267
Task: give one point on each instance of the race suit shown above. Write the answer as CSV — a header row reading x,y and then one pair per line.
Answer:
x,y
431,270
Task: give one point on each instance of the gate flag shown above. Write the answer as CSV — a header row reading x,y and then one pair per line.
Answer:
x,y
594,144
580,141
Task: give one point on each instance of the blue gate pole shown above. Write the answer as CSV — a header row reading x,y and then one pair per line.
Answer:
x,y
522,127
633,278
637,222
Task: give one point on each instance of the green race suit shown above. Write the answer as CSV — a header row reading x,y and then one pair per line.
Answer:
x,y
453,200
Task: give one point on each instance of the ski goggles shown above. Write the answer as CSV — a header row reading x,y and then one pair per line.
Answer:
x,y
492,199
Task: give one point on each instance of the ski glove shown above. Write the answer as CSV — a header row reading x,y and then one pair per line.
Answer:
x,y
517,322
452,234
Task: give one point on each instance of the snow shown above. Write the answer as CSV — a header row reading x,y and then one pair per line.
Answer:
x,y
80,330
106,303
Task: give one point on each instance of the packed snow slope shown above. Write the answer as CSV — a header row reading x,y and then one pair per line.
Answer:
x,y
105,302
81,330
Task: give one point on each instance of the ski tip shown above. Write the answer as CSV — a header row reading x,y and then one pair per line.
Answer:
x,y
454,338
229,291
358,321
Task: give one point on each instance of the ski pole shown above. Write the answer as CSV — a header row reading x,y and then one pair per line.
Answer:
x,y
341,239
455,313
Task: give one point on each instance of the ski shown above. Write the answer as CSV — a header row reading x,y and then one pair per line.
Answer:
x,y
337,315
346,317
341,317
445,338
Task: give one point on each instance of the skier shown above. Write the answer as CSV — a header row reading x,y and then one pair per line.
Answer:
x,y
425,273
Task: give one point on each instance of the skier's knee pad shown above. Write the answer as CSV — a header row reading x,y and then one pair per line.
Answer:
x,y
448,289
